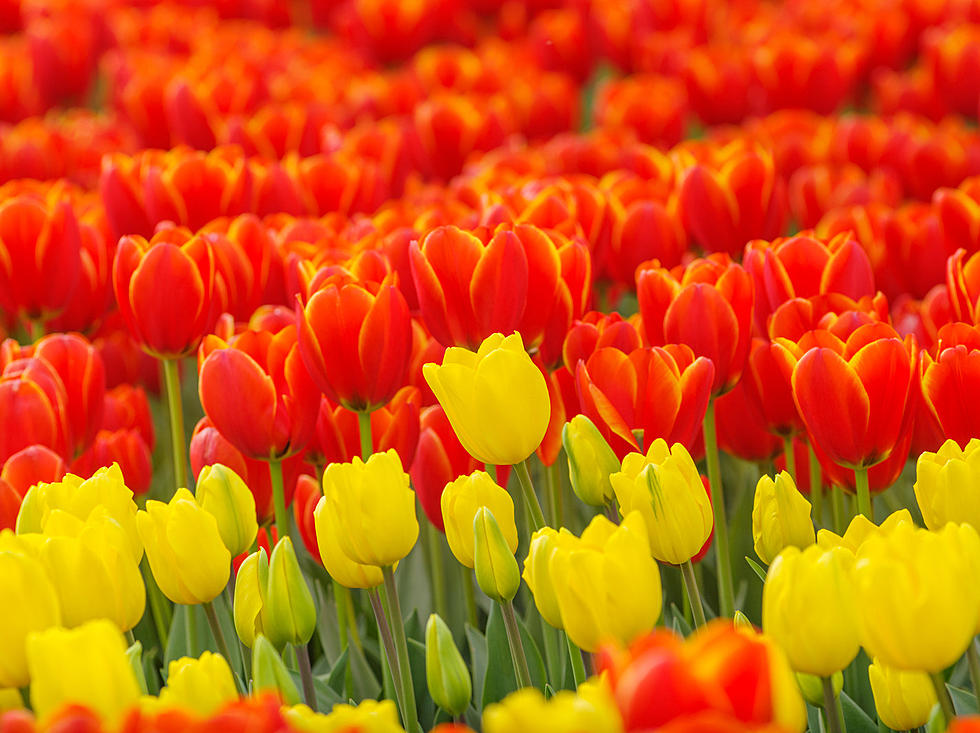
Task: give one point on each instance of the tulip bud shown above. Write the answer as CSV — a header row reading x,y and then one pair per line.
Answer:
x,y
780,517
187,556
903,700
269,673
741,621
250,587
341,568
808,608
222,493
946,485
87,666
812,686
590,461
537,574
496,568
290,615
202,686
460,501
445,671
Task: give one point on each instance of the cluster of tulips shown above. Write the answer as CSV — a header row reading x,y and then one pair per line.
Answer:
x,y
517,366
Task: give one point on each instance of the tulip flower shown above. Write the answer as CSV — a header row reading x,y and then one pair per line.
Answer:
x,y
222,493
124,447
808,608
945,483
493,559
340,567
904,700
251,585
780,517
369,716
202,686
861,528
590,707
289,616
947,377
33,465
545,543
32,403
446,673
461,500
269,672
87,666
590,461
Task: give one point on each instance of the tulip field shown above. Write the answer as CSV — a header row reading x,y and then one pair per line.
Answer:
x,y
503,366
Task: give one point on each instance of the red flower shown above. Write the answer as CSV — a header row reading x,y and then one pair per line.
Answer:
x,y
32,408
33,465
951,381
305,499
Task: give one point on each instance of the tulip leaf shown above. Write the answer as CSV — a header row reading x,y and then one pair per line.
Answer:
x,y
416,658
366,684
757,568
135,656
963,701
335,678
678,622
326,696
855,719
477,643
500,678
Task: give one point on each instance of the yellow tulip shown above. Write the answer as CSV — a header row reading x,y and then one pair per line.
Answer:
x,y
373,509
10,699
607,585
903,700
446,673
545,543
590,461
290,615
187,556
917,609
341,568
86,665
496,399
861,528
460,501
590,708
496,569
202,686
370,716
222,492
666,488
808,608
947,485
780,517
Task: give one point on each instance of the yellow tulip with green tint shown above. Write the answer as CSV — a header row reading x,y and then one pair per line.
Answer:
x,y
251,584
947,485
494,564
460,501
200,686
590,461
903,700
341,568
496,399
183,544
780,517
223,493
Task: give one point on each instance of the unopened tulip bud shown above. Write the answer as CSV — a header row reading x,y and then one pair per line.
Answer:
x,y
270,674
222,493
202,686
812,687
460,501
496,568
250,587
290,615
445,671
590,461
780,517
903,700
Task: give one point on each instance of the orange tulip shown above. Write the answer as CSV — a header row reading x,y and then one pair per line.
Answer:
x,y
951,380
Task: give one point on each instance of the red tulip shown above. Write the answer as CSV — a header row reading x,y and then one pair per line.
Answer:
x,y
742,428
32,408
305,499
33,465
963,285
258,394
880,476
10,501
951,381
770,389
125,447
164,290
126,407
266,539
595,331
643,230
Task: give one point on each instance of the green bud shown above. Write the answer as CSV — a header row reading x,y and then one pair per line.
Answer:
x,y
250,589
289,612
223,494
135,656
812,687
741,621
496,568
445,670
29,514
269,673
590,461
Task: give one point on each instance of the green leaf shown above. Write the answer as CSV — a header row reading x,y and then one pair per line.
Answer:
x,y
135,656
477,643
963,701
500,678
759,570
680,624
855,719
423,701
335,679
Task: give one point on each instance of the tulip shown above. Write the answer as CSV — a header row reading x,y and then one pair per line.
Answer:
x,y
202,686
904,700
590,707
664,486
780,517
289,616
918,575
944,485
369,716
125,447
945,379
461,500
87,666
545,543
590,461
808,608
251,585
32,404
222,493
373,509
33,465
861,528
269,672
372,326
189,561
493,559
446,673
340,567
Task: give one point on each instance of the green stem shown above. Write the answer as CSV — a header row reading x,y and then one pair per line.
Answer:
x,y
355,636
364,429
551,657
816,486
192,647
578,666
437,570
726,591
339,601
469,595
411,715
279,499
171,379
306,676
517,656
535,515
381,616
790,455
973,659
863,493
691,584
554,490
837,507
945,701
219,634
831,706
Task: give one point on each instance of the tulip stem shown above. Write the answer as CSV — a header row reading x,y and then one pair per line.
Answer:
x,y
171,378
517,656
437,569
578,666
159,609
790,456
469,594
945,701
341,603
691,585
831,706
973,659
279,498
863,493
535,515
306,675
552,658
837,507
816,486
364,430
410,713
726,591
380,615
554,490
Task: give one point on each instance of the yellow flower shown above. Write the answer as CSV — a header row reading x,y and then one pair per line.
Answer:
x,y
187,556
861,528
591,708
780,517
373,509
251,584
460,501
290,615
10,699
221,492
590,461
665,487
446,673
545,543
903,700
607,585
201,686
496,569
496,399
808,608
341,568
947,485
87,665
370,716
917,609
